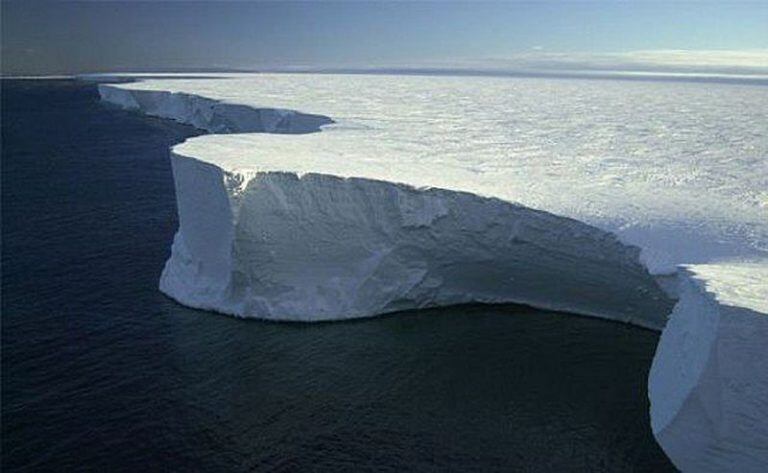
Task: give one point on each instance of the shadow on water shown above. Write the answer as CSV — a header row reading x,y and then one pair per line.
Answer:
x,y
101,371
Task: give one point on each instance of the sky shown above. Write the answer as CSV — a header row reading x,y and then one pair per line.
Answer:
x,y
59,37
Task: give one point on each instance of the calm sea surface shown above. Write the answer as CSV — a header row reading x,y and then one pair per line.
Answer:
x,y
101,372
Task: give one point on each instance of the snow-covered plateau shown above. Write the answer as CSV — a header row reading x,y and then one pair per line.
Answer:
x,y
321,196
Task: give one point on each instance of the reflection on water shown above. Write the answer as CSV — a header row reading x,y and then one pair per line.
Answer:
x,y
102,371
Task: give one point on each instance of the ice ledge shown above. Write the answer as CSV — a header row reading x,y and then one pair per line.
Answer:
x,y
268,243
211,115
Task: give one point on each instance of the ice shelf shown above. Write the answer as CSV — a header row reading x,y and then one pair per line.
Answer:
x,y
384,211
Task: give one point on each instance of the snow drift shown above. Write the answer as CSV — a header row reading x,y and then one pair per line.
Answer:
x,y
325,237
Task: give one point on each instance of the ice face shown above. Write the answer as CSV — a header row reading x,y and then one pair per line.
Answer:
x,y
708,381
320,247
411,198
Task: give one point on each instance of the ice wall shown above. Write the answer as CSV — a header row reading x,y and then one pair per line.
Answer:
x,y
212,115
708,384
320,247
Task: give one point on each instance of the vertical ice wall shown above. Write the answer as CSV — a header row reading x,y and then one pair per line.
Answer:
x,y
708,385
319,247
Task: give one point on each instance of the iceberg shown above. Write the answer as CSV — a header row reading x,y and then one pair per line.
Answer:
x,y
304,206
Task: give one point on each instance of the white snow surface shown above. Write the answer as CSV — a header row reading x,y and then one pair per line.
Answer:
x,y
422,192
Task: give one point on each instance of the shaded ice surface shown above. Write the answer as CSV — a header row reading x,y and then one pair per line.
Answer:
x,y
370,194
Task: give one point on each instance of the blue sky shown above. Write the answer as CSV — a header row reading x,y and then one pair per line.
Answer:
x,y
68,37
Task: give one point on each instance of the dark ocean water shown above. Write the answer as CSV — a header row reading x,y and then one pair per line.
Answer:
x,y
101,372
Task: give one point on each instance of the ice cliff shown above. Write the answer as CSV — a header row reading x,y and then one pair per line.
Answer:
x,y
300,227
212,115
708,384
318,247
